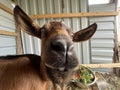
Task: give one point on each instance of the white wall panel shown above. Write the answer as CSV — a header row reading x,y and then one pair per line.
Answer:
x,y
7,51
102,43
76,25
67,9
105,43
101,19
84,24
7,43
102,8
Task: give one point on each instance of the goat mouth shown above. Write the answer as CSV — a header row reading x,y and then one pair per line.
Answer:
x,y
60,69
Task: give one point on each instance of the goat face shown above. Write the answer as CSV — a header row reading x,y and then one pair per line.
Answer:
x,y
57,47
58,50
57,55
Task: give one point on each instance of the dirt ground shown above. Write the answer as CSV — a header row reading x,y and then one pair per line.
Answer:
x,y
106,81
113,81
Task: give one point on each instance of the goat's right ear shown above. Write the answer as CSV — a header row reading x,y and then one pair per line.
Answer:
x,y
85,34
26,23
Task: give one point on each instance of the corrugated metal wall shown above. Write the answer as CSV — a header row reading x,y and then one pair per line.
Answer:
x,y
7,43
98,49
102,42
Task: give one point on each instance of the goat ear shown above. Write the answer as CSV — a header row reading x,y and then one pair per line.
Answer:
x,y
26,23
85,34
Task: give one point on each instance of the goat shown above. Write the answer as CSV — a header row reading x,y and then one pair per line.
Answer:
x,y
57,63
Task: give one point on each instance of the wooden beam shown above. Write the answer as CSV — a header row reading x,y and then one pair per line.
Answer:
x,y
108,65
7,33
70,15
19,45
5,8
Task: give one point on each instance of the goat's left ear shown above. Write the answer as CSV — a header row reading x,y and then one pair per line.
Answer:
x,y
85,34
26,23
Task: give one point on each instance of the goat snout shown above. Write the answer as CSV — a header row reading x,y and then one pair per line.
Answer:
x,y
59,45
62,46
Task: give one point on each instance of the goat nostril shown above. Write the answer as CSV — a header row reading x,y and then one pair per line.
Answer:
x,y
57,46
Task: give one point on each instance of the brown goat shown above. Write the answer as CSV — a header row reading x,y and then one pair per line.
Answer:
x,y
58,60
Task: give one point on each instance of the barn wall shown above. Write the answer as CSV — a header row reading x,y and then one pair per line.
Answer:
x,y
102,42
97,50
7,43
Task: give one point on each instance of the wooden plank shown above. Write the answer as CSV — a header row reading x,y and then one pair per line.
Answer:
x,y
19,49
3,32
70,15
5,8
108,65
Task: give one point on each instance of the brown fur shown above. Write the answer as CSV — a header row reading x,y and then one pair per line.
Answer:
x,y
23,72
20,73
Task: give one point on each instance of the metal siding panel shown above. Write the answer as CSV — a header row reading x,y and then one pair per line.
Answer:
x,y
105,25
49,9
102,42
49,6
28,43
6,19
102,52
101,19
57,7
5,24
102,70
6,15
66,9
7,43
76,26
7,3
41,3
104,34
102,59
84,23
8,51
102,8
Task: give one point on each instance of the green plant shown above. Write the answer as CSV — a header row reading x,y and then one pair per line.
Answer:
x,y
86,76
